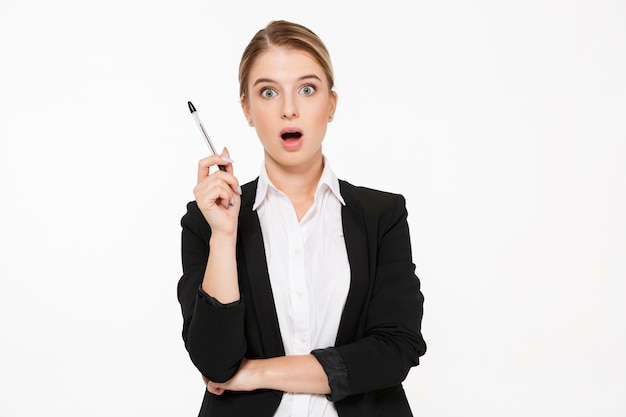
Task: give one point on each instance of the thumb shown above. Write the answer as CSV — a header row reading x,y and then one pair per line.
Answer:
x,y
226,158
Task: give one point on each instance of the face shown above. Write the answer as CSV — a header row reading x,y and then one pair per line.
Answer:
x,y
290,104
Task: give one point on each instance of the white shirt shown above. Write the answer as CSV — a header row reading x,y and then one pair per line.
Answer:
x,y
309,273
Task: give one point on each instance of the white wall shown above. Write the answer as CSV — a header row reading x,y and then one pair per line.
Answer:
x,y
503,124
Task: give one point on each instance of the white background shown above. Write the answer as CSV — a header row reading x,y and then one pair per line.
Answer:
x,y
502,123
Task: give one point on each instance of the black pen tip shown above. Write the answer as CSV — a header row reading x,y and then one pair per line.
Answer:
x,y
191,107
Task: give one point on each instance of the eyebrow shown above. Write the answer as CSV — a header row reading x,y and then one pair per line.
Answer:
x,y
269,80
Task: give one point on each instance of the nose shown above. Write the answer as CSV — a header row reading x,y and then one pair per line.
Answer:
x,y
289,110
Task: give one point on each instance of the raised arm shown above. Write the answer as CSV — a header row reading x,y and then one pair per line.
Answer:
x,y
208,291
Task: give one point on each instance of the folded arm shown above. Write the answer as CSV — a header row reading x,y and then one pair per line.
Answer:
x,y
297,373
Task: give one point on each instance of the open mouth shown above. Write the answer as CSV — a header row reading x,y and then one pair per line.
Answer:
x,y
291,135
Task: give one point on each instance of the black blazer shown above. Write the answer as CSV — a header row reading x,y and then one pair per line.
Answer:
x,y
379,337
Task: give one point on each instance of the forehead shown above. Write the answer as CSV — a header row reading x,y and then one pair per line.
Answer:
x,y
282,62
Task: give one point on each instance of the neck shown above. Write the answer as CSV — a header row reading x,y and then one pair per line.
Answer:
x,y
297,183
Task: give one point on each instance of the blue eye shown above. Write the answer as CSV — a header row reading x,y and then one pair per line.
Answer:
x,y
268,93
307,90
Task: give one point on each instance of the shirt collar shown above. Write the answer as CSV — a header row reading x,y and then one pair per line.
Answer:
x,y
328,179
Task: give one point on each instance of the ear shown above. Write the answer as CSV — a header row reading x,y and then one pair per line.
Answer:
x,y
245,106
332,105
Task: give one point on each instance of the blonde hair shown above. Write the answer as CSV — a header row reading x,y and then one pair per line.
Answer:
x,y
284,34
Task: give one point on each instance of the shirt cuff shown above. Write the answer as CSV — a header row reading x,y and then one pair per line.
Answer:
x,y
214,302
336,372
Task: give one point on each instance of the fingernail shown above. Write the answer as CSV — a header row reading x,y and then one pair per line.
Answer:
x,y
227,159
239,189
232,201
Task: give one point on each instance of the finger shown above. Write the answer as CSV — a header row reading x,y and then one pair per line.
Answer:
x,y
213,389
216,391
205,164
227,162
214,192
226,197
229,179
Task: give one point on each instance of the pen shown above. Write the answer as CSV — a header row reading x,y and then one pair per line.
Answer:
x,y
192,109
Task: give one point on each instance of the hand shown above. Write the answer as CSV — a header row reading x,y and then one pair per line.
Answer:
x,y
243,380
217,194
211,388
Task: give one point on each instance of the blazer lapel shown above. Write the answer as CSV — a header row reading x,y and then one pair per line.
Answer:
x,y
355,235
250,242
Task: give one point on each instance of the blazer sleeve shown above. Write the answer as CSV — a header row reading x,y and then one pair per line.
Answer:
x,y
391,341
213,333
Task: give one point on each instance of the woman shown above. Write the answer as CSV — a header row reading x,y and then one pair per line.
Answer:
x,y
298,292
